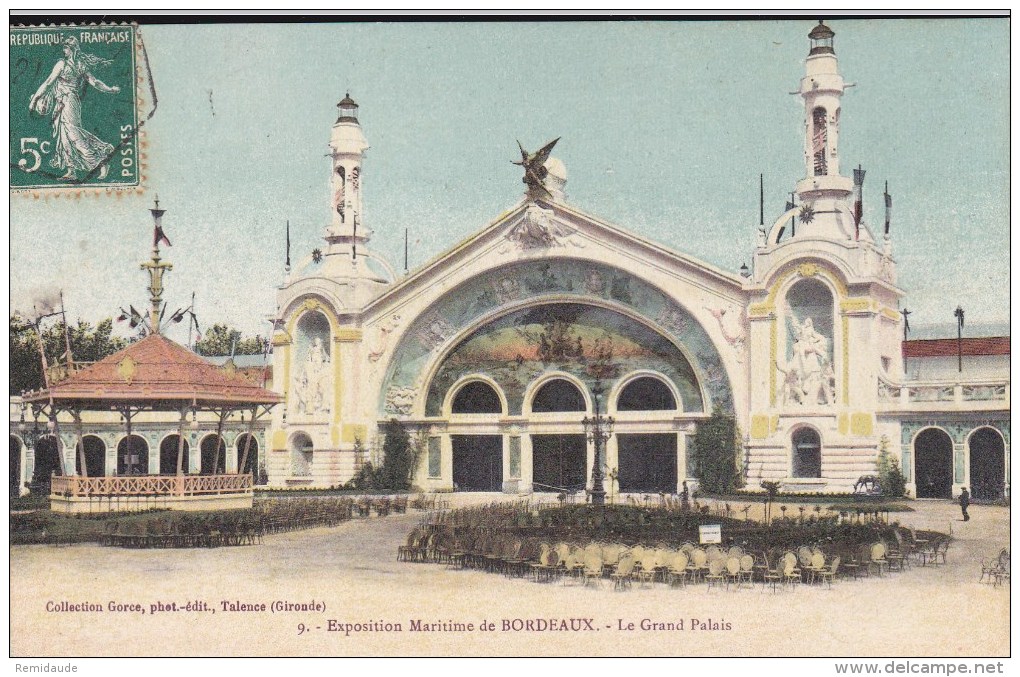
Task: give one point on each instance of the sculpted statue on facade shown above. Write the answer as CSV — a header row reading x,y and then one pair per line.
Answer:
x,y
312,386
808,378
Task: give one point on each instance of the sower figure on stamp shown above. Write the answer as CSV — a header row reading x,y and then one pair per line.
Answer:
x,y
964,503
59,96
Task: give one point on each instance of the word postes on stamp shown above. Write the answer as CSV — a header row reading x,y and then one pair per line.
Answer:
x,y
73,107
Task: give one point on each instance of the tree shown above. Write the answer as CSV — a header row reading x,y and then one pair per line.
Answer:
x,y
398,456
890,477
223,340
88,344
715,453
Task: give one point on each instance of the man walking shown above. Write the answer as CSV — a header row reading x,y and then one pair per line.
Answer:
x,y
964,502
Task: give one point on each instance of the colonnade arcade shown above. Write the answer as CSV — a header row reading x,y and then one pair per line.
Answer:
x,y
939,457
35,456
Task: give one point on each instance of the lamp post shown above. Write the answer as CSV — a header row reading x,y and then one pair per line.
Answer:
x,y
598,429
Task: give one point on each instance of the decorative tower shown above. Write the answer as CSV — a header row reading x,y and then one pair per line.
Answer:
x,y
823,315
824,191
347,146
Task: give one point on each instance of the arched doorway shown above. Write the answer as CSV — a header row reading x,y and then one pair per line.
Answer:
x,y
251,462
14,455
301,455
168,455
214,455
477,459
987,464
133,456
807,453
933,454
558,461
95,457
47,463
646,462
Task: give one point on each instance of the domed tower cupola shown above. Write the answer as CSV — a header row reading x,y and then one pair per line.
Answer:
x,y
821,39
348,109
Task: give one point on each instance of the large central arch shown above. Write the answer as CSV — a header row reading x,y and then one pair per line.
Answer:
x,y
527,324
488,297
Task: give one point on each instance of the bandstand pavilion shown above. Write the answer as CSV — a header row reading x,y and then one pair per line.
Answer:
x,y
160,391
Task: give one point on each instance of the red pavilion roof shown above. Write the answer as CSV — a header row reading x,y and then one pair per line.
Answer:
x,y
996,345
157,372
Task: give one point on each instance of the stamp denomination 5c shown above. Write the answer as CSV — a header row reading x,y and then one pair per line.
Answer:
x,y
73,103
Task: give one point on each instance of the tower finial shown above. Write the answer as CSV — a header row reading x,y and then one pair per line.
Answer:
x,y
156,268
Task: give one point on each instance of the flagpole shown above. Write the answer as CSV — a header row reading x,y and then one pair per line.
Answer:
x,y
67,335
888,208
906,331
959,337
405,251
761,200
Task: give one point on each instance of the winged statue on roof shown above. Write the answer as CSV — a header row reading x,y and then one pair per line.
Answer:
x,y
535,171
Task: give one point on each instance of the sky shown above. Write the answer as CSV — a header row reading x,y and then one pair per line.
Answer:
x,y
665,128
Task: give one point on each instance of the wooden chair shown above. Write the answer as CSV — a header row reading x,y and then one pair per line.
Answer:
x,y
878,559
815,567
677,570
732,572
698,564
592,567
791,574
829,574
621,577
715,574
746,570
772,575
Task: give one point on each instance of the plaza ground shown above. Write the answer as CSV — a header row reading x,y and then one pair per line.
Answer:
x,y
352,569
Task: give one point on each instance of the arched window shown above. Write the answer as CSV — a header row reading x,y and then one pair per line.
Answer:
x,y
214,455
249,463
807,453
168,455
477,397
646,394
819,141
95,456
558,395
133,456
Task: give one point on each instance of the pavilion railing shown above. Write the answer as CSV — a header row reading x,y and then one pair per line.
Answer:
x,y
150,485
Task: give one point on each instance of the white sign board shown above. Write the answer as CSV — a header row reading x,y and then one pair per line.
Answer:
x,y
710,533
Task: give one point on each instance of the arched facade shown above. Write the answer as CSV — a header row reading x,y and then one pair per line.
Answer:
x,y
803,348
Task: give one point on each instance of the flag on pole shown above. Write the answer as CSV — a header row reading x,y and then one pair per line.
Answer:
x,y
157,233
858,201
792,204
888,207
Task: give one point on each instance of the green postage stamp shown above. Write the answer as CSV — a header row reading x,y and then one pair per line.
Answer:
x,y
74,112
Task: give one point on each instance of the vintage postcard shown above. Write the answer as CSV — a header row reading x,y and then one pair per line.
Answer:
x,y
315,351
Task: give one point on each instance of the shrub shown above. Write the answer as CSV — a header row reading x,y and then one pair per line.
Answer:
x,y
715,453
894,484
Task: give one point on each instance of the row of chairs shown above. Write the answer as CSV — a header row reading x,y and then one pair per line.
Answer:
x,y
184,532
382,505
246,527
